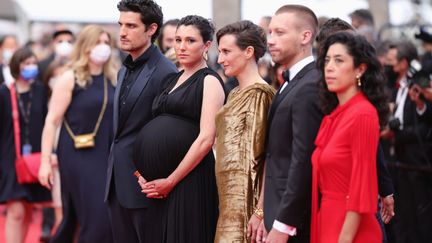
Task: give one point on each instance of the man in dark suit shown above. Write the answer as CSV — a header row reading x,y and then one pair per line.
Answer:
x,y
412,129
294,120
139,80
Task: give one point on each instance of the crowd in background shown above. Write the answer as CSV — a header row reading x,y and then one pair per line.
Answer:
x,y
269,108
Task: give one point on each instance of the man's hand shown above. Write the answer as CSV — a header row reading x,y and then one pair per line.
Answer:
x,y
427,92
276,236
386,133
387,209
414,93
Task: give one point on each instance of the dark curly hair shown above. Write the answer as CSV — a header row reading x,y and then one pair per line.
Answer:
x,y
205,26
149,11
373,79
247,34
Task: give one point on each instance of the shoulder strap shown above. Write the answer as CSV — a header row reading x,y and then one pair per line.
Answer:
x,y
15,118
101,114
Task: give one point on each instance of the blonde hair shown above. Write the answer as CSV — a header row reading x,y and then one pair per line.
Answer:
x,y
80,56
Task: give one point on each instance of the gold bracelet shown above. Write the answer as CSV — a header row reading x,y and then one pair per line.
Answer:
x,y
259,213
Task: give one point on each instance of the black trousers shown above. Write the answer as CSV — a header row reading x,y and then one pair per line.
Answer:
x,y
413,206
136,225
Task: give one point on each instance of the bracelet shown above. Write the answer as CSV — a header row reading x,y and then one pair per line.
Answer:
x,y
259,213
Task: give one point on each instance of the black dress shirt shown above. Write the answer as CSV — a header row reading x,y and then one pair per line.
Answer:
x,y
134,68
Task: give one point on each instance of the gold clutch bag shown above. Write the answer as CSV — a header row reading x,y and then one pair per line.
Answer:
x,y
84,141
87,140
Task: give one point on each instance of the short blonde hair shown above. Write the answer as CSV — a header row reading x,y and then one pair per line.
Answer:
x,y
80,56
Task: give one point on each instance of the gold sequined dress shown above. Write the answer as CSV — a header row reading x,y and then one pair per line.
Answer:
x,y
241,126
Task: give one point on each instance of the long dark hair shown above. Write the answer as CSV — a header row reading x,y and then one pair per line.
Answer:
x,y
373,79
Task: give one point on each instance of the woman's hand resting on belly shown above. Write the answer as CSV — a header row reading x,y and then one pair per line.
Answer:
x,y
159,188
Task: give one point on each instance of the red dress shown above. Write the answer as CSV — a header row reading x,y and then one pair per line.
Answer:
x,y
344,172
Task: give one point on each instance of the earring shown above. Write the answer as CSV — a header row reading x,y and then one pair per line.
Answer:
x,y
358,81
205,56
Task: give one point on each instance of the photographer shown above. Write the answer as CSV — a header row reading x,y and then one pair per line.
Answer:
x,y
413,151
425,35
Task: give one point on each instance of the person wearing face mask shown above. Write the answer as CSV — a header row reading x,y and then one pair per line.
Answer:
x,y
8,45
62,44
31,100
82,102
411,129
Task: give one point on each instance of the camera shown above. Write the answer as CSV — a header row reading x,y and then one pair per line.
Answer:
x,y
394,123
418,75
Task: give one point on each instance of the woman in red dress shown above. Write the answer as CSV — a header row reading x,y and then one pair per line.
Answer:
x,y
344,185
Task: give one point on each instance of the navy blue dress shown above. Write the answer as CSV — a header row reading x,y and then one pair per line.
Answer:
x,y
10,189
191,208
83,171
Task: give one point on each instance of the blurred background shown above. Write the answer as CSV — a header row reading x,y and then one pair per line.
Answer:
x,y
36,19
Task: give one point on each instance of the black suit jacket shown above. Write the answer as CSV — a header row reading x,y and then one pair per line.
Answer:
x,y
134,115
294,120
413,144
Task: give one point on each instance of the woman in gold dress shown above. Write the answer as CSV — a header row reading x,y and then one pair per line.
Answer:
x,y
241,126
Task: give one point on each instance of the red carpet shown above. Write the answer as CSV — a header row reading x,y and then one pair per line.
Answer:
x,y
34,229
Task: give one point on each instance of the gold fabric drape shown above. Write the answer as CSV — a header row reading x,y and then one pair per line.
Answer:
x,y
241,126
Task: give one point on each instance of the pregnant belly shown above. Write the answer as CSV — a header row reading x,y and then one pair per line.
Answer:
x,y
162,144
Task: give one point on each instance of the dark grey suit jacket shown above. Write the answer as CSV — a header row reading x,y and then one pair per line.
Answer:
x,y
294,120
134,115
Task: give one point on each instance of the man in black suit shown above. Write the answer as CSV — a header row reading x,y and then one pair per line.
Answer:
x,y
140,79
294,120
412,128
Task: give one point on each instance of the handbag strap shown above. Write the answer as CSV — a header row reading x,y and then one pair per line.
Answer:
x,y
101,114
15,118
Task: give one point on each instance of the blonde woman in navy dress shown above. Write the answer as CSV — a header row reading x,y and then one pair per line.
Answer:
x,y
82,98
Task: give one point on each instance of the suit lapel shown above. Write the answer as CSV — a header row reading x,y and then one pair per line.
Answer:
x,y
137,88
120,78
280,97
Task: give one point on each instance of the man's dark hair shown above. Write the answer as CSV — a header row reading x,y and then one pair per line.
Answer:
x,y
332,26
405,50
172,22
62,32
247,34
363,15
150,12
205,27
18,57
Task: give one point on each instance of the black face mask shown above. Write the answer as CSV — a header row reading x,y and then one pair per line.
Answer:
x,y
390,75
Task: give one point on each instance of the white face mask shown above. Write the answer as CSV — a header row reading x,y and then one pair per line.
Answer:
x,y
100,53
7,55
63,49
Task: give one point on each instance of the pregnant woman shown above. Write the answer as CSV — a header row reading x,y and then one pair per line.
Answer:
x,y
173,151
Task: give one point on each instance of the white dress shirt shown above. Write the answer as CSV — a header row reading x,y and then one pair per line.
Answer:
x,y
296,68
